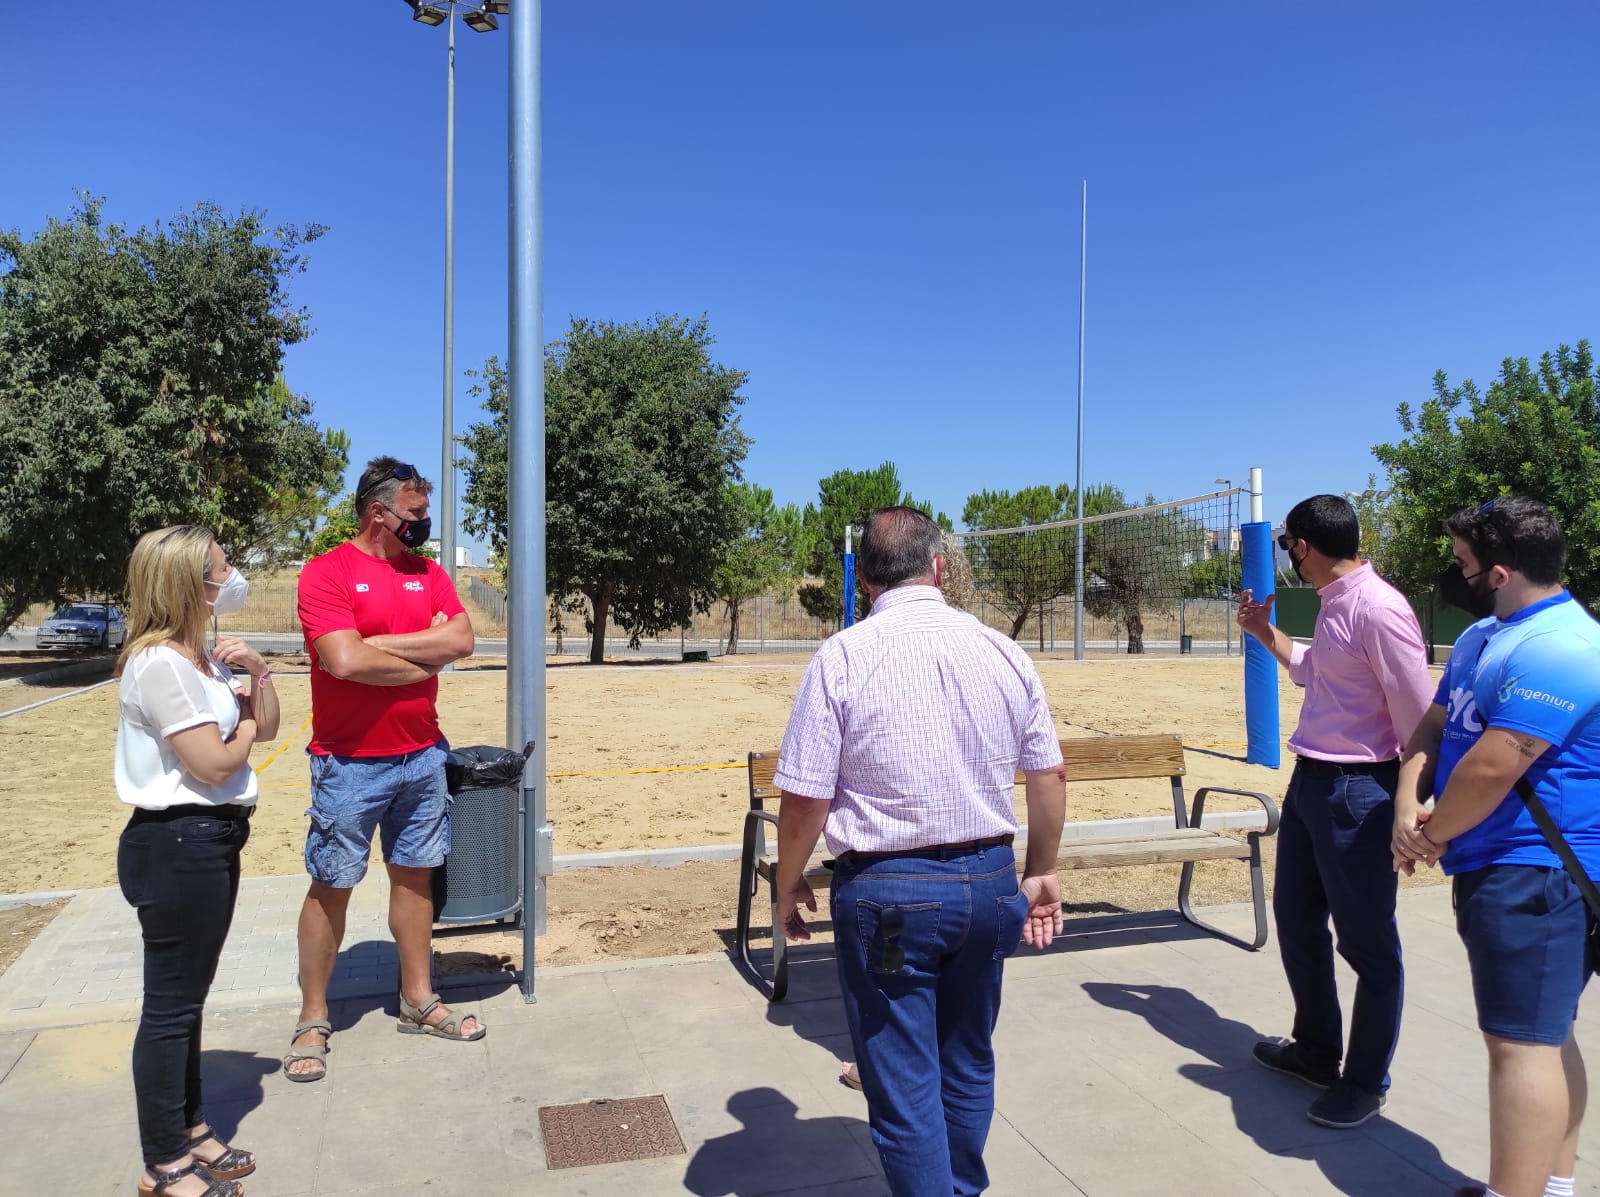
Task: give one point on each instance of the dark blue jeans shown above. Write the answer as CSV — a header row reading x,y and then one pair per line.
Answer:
x,y
180,871
921,940
1334,862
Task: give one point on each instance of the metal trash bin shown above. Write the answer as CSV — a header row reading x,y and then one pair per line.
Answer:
x,y
480,880
1186,643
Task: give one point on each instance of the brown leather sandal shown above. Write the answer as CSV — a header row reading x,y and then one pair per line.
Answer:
x,y
167,1177
231,1164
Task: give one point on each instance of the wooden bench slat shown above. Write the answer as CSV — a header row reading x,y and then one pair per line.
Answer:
x,y
1111,759
1116,757
1168,849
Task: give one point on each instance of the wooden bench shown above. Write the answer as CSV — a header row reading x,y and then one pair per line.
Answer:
x,y
1112,758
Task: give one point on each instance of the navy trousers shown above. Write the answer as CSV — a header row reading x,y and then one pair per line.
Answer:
x,y
1334,865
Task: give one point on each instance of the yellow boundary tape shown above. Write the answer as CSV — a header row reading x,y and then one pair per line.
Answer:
x,y
662,769
282,748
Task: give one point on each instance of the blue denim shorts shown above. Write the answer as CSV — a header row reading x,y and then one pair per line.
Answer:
x,y
352,796
1526,930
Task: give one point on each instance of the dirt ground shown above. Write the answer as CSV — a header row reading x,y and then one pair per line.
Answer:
x,y
19,925
639,757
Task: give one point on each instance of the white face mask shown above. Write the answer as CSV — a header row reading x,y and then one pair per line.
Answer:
x,y
230,595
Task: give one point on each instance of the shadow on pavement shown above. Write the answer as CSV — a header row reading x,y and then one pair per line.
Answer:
x,y
233,1086
776,1151
1269,1109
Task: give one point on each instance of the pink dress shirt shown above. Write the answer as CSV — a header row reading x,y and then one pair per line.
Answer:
x,y
912,725
1365,673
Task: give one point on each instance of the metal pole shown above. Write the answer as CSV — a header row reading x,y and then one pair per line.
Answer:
x,y
525,662
447,467
849,581
1083,282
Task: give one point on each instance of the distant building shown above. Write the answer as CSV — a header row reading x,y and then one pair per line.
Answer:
x,y
463,553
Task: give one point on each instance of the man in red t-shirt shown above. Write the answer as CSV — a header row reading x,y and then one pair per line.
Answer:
x,y
380,622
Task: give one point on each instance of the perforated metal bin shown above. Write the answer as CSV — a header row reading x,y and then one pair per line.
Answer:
x,y
480,881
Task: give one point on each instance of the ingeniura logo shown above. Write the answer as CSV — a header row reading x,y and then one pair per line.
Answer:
x,y
1509,690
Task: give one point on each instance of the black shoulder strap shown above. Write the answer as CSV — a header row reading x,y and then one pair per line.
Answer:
x,y
1558,844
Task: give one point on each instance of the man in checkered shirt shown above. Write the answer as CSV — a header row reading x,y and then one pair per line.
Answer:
x,y
903,747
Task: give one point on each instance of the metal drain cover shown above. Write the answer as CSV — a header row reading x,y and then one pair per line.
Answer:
x,y
608,1131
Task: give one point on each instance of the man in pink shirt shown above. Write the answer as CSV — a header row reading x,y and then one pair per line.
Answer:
x,y
903,746
1367,686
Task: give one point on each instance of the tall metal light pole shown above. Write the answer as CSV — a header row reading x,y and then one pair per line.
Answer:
x,y
479,18
525,663
1083,284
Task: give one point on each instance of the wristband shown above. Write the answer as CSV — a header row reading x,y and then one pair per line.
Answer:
x,y
263,679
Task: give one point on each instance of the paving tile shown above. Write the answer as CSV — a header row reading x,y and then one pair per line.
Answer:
x,y
1122,1055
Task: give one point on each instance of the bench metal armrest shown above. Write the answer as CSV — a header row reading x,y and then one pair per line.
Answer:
x,y
1267,804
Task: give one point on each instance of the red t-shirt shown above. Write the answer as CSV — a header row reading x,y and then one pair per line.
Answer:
x,y
346,588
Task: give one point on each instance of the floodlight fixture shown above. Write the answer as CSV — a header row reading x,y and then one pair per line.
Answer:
x,y
498,7
480,20
428,14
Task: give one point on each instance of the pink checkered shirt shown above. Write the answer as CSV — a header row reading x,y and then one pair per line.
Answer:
x,y
912,725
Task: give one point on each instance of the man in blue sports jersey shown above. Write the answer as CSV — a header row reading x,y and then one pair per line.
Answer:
x,y
1520,696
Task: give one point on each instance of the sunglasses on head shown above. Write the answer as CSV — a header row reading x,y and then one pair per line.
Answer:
x,y
399,472
1488,511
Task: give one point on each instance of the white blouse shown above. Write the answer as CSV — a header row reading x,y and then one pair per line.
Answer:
x,y
163,693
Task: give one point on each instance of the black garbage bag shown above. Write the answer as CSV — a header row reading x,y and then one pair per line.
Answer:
x,y
483,766
475,775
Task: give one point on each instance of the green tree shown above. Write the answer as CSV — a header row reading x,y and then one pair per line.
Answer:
x,y
1137,564
339,524
1376,511
845,497
759,559
1026,571
1534,432
641,437
140,386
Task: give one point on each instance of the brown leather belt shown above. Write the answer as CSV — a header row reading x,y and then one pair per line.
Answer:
x,y
940,850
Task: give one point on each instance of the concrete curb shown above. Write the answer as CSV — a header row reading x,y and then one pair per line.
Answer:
x,y
70,672
43,898
666,858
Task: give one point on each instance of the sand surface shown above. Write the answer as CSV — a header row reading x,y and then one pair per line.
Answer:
x,y
59,817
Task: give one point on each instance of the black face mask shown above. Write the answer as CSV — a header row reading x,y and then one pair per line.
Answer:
x,y
1295,565
411,533
1457,590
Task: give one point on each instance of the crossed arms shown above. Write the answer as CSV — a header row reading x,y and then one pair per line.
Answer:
x,y
396,659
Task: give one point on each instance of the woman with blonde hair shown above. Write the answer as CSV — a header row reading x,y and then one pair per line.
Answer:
x,y
183,763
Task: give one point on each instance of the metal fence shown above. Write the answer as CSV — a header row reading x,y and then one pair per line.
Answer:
x,y
778,623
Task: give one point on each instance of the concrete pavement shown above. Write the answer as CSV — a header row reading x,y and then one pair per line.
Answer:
x,y
1123,1070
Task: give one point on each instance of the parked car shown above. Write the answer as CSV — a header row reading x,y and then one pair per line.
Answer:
x,y
83,625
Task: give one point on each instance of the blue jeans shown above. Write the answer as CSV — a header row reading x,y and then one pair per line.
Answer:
x,y
921,940
352,796
1334,862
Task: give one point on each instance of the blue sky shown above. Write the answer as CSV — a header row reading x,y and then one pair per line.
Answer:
x,y
1296,213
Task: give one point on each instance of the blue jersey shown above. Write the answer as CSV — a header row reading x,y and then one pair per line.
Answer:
x,y
1538,673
